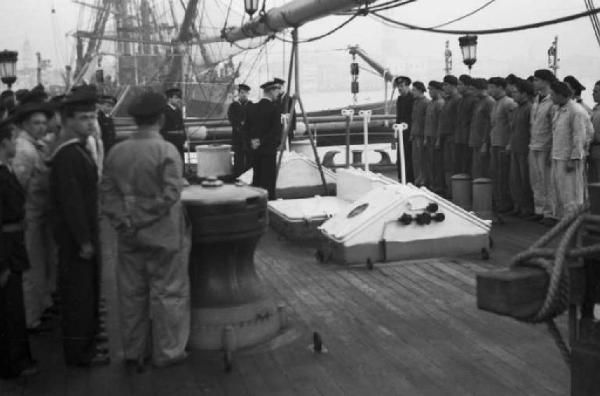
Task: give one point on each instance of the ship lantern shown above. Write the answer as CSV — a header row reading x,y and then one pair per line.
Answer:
x,y
8,67
468,46
251,6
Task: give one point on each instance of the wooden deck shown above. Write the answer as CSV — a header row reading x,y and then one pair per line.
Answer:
x,y
405,328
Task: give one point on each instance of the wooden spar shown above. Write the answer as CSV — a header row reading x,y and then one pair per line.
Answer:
x,y
379,68
291,15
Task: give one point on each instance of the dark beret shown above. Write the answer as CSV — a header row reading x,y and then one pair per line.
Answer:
x,y
404,79
268,85
497,81
6,127
574,83
26,109
107,99
511,79
530,79
21,93
435,85
420,86
82,99
147,104
544,74
452,80
279,81
465,79
561,88
480,83
173,92
243,87
525,87
36,95
7,94
87,88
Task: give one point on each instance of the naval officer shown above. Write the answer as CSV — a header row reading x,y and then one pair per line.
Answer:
x,y
236,113
173,128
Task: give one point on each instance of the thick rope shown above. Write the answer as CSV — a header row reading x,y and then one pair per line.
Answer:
x,y
553,261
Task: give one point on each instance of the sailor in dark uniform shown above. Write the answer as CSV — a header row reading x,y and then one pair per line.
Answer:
x,y
173,129
404,105
15,355
105,120
284,102
264,126
237,118
74,195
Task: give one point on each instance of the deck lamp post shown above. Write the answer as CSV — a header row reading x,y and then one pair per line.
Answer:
x,y
8,67
468,47
251,6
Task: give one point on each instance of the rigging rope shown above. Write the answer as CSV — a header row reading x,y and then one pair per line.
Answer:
x,y
489,31
594,19
464,16
321,36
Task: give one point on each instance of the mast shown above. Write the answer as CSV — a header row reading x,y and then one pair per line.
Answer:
x,y
95,40
185,34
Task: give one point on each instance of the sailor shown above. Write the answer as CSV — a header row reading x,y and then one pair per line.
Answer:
x,y
15,354
417,131
466,106
446,133
74,192
265,133
511,84
32,172
237,118
568,151
499,140
576,87
285,103
479,135
520,187
594,153
432,117
173,129
107,126
540,146
140,195
404,105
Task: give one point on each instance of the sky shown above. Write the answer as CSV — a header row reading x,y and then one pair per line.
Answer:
x,y
418,54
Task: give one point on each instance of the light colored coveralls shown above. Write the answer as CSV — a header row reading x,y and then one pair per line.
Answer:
x,y
594,159
140,194
40,280
569,134
540,146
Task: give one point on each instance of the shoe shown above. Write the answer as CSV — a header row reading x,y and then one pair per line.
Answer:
x,y
534,217
548,222
42,328
99,359
171,362
29,371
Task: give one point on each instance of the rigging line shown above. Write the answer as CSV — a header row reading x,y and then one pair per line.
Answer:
x,y
380,7
227,16
490,31
319,37
464,16
253,65
594,19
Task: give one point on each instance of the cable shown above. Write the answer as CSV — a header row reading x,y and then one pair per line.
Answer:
x,y
489,31
319,37
380,7
464,16
594,19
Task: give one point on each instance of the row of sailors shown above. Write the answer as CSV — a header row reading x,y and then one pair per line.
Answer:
x,y
530,136
54,187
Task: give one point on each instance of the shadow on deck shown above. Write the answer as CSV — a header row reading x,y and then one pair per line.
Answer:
x,y
409,328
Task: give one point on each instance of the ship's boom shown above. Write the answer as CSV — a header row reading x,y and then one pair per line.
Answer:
x,y
379,68
293,14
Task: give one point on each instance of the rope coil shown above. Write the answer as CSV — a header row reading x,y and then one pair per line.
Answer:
x,y
554,262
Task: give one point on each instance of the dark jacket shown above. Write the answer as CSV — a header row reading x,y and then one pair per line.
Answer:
x,y
236,114
466,106
74,193
521,128
108,132
481,123
12,210
404,108
173,120
264,123
448,117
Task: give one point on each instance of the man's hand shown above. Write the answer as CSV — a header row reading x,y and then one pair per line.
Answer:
x,y
4,277
438,143
508,148
186,145
255,143
87,251
571,165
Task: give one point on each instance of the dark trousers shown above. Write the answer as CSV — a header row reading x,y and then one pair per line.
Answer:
x,y
447,145
428,161
265,168
462,159
410,177
178,140
79,291
15,354
520,187
500,165
480,165
242,161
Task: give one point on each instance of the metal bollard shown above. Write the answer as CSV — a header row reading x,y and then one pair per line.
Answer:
x,y
482,198
366,115
400,156
462,192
